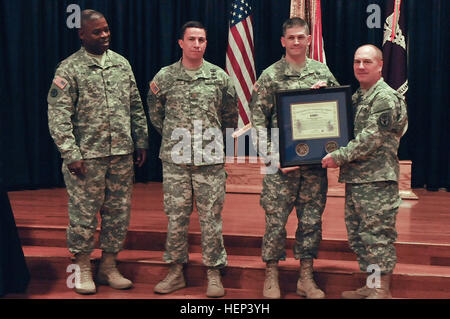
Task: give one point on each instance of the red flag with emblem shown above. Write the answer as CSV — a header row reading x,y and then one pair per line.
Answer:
x,y
310,11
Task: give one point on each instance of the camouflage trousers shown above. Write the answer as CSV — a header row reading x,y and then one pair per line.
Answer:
x,y
306,190
370,215
106,188
182,184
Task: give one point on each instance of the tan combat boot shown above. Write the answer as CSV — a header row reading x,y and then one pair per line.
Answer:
x,y
360,293
86,285
271,285
306,287
215,287
108,274
173,281
384,291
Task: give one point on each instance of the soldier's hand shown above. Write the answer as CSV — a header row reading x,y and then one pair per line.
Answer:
x,y
141,156
319,84
328,162
77,168
285,170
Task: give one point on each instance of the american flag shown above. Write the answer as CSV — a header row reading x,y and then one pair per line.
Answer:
x,y
240,61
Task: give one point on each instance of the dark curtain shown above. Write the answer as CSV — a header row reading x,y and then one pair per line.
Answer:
x,y
344,30
14,273
429,92
35,38
427,141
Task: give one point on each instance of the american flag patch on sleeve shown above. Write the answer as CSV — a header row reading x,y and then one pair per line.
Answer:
x,y
60,82
154,87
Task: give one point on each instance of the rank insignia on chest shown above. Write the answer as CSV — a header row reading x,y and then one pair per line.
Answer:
x,y
154,87
213,74
60,82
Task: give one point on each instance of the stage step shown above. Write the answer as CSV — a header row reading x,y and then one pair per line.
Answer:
x,y
50,289
333,249
244,275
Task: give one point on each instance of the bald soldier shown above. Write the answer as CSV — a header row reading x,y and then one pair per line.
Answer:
x,y
194,100
97,121
370,168
303,187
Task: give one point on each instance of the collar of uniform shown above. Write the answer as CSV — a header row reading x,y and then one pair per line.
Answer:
x,y
290,71
91,61
370,91
204,72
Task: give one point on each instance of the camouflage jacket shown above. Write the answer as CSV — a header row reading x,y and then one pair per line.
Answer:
x,y
196,108
281,76
95,111
380,119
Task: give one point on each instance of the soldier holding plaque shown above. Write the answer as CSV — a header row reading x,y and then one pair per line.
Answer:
x,y
302,187
369,166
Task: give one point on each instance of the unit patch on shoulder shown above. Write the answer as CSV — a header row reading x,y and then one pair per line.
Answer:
x,y
60,82
384,121
256,87
155,89
54,93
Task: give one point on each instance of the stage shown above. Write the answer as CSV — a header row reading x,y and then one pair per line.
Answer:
x,y
423,247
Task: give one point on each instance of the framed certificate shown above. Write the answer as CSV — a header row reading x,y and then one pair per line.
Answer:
x,y
312,123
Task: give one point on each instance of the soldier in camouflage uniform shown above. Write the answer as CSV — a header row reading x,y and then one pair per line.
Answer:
x,y
97,120
195,100
369,166
302,187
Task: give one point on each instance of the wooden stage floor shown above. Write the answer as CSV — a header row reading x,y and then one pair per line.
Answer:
x,y
423,248
419,221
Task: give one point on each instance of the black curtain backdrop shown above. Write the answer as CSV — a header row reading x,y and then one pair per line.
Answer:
x,y
35,38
